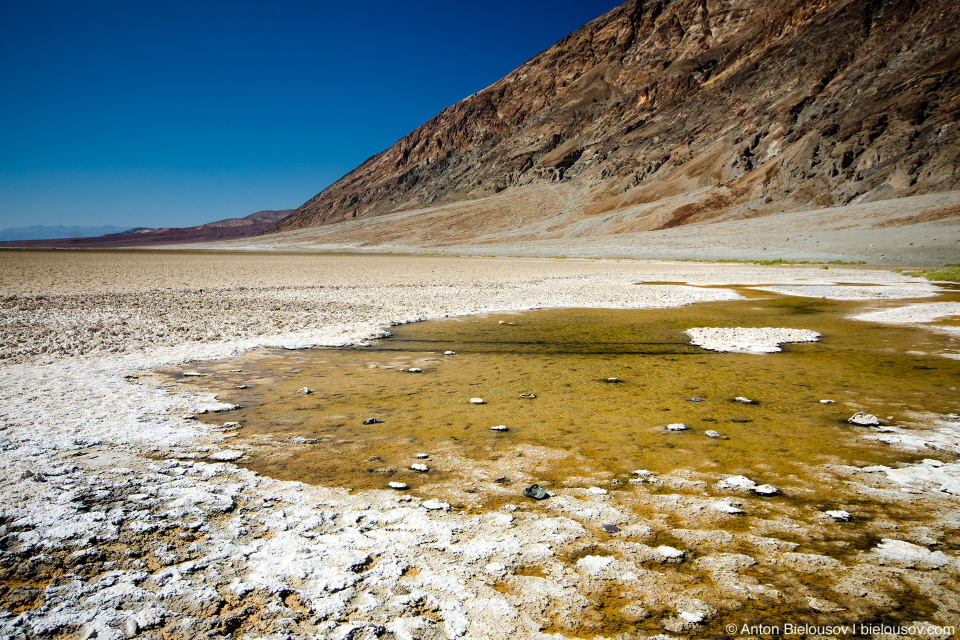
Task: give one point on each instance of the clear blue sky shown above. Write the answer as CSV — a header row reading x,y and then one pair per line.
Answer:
x,y
143,113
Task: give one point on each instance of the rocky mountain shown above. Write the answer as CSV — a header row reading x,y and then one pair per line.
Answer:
x,y
228,229
682,111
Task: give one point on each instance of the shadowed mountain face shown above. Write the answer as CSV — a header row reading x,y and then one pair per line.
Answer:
x,y
690,110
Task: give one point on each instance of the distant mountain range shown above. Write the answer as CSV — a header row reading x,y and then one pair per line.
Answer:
x,y
107,237
662,113
40,232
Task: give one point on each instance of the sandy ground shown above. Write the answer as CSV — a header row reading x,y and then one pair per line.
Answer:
x,y
920,230
118,522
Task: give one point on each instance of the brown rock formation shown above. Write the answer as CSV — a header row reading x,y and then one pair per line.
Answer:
x,y
696,109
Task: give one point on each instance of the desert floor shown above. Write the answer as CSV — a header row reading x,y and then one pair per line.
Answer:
x,y
124,514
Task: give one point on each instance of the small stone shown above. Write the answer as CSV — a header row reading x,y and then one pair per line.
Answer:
x,y
415,370
711,434
499,427
737,483
449,353
862,419
839,514
188,416
677,426
828,402
495,567
953,417
132,628
422,456
528,396
766,490
693,617
372,421
231,425
597,491
477,401
436,505
226,456
743,400
614,380
399,486
240,386
610,528
304,390
726,507
422,468
669,554
642,473
148,618
194,374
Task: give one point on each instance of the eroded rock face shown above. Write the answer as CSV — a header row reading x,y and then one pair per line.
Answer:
x,y
742,108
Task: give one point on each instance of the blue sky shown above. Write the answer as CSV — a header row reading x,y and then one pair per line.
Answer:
x,y
176,113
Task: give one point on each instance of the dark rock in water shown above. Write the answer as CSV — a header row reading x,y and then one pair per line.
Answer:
x,y
536,492
372,421
693,399
611,528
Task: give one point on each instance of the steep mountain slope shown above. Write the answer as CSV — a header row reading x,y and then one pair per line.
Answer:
x,y
689,110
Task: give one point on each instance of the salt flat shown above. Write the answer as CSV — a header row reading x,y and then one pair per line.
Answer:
x,y
116,520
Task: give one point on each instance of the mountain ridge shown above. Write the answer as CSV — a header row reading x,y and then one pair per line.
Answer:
x,y
692,110
218,230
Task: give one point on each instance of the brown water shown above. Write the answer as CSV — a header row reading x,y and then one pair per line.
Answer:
x,y
565,357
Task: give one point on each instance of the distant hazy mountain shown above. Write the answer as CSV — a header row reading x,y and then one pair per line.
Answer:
x,y
106,237
40,232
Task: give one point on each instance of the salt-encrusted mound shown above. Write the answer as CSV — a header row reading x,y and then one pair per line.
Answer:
x,y
748,340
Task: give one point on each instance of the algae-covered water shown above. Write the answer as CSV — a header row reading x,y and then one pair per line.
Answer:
x,y
565,357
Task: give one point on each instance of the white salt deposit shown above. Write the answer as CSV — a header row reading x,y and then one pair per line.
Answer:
x,y
748,340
